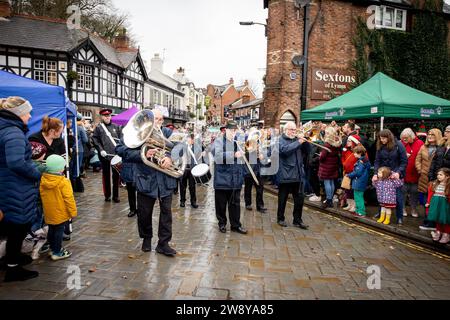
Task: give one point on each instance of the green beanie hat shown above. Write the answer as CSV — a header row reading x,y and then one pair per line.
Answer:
x,y
55,164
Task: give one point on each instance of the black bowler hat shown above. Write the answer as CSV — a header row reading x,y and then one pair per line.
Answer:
x,y
105,111
232,125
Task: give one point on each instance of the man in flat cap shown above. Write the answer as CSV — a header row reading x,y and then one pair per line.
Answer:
x,y
105,137
228,179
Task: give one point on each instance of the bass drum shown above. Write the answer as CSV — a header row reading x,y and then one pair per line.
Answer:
x,y
201,173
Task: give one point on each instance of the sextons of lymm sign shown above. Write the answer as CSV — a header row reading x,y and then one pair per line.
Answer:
x,y
327,83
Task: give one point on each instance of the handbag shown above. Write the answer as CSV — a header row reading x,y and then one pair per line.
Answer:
x,y
346,183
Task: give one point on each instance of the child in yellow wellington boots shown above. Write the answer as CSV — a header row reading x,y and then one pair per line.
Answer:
x,y
386,193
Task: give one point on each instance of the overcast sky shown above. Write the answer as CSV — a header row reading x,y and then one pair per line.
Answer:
x,y
203,36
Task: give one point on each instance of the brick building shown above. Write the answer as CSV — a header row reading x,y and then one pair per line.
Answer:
x,y
223,98
330,50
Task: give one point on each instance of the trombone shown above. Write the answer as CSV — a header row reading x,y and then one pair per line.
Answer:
x,y
300,135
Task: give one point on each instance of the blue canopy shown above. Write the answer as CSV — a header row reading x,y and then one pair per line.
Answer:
x,y
46,99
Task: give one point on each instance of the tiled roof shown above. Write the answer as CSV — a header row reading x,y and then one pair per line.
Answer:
x,y
53,34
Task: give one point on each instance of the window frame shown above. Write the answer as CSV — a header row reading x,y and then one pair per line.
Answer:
x,y
381,14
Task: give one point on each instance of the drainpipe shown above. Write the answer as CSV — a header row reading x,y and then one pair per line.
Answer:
x,y
305,55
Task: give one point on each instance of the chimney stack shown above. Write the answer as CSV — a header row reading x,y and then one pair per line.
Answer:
x,y
246,82
5,9
157,63
231,81
121,41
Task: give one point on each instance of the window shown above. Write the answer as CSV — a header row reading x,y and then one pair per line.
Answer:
x,y
85,77
112,84
39,75
390,18
133,89
45,71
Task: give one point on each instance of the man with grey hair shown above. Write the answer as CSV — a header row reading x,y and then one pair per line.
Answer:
x,y
412,145
291,174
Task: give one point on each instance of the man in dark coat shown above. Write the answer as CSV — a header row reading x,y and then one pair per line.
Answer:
x,y
152,184
291,174
228,179
256,159
105,138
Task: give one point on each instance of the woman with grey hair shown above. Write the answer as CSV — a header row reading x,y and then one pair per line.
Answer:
x,y
412,145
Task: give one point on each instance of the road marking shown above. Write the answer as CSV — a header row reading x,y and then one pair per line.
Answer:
x,y
374,232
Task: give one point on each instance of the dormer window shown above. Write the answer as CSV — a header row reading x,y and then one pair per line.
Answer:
x,y
390,18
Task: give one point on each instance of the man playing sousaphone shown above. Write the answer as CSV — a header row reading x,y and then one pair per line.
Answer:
x,y
105,137
152,184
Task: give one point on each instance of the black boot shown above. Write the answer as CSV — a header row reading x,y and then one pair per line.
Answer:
x,y
147,245
19,274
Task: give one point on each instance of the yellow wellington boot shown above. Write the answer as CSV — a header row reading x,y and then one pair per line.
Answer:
x,y
382,216
388,218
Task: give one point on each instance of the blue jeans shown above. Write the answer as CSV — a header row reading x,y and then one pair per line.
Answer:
x,y
329,188
39,219
55,237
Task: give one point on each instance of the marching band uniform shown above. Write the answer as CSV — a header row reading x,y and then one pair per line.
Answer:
x,y
105,148
195,147
228,180
152,184
249,182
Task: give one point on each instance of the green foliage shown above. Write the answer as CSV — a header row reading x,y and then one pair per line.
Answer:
x,y
419,58
72,76
192,115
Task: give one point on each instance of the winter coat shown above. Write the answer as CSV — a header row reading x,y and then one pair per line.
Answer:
x,y
101,140
290,153
412,176
228,170
57,199
18,175
58,147
360,174
151,182
387,190
82,138
441,159
394,159
329,163
423,164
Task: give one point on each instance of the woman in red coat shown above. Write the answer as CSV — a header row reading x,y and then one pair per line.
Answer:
x,y
412,145
348,163
329,163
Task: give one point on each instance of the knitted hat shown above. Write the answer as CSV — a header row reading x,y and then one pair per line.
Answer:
x,y
55,164
21,110
37,150
355,139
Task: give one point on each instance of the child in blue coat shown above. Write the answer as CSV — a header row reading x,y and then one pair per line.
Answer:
x,y
360,178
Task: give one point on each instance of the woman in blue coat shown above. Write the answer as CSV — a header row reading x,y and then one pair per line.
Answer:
x,y
18,184
392,154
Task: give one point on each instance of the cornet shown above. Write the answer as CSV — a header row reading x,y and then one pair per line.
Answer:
x,y
300,134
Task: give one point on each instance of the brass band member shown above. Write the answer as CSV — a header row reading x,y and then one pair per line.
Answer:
x,y
152,184
228,179
290,175
187,175
104,141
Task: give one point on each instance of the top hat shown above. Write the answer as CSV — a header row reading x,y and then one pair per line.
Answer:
x,y
105,111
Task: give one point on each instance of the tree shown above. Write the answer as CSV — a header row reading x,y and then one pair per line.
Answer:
x,y
97,16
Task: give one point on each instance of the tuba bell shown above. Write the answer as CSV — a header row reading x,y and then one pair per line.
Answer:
x,y
141,131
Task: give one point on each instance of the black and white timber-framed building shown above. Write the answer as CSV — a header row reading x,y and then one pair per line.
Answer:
x,y
44,49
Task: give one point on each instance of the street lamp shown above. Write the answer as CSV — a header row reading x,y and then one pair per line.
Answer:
x,y
250,23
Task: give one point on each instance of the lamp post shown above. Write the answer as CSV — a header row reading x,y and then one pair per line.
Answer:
x,y
250,23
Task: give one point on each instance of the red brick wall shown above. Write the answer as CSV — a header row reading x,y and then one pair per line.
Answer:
x,y
330,47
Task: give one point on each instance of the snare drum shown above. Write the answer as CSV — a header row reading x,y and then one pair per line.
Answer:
x,y
201,173
116,163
